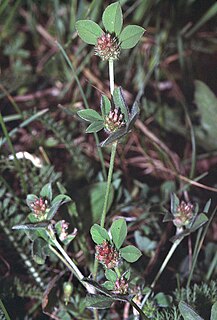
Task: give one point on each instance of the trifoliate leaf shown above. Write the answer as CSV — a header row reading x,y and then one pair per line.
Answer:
x,y
112,18
130,253
88,31
130,36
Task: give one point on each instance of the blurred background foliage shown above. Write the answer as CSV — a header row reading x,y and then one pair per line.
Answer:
x,y
173,147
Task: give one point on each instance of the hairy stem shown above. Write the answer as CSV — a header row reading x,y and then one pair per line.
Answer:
x,y
108,187
69,263
111,76
2,307
135,306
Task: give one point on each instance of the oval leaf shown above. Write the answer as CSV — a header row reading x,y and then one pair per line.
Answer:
x,y
111,275
88,31
95,127
199,221
214,311
39,250
99,234
120,102
105,106
130,253
114,136
119,232
89,115
32,226
130,36
112,18
174,203
187,312
46,191
109,285
30,199
98,301
56,203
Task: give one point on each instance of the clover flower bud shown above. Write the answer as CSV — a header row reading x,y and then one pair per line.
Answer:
x,y
184,214
107,47
107,255
114,121
39,207
63,233
121,286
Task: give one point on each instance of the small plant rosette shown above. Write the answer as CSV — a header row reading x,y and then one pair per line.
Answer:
x,y
41,228
185,216
109,250
109,43
115,118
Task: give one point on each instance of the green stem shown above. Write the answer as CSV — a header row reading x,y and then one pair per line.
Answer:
x,y
108,187
17,164
135,306
111,76
69,263
166,260
118,272
2,307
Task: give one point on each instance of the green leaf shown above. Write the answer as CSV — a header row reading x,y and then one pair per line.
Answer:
x,y
95,126
168,217
119,232
206,102
88,31
130,253
144,243
130,36
174,203
163,300
120,102
214,311
98,301
207,206
97,195
46,191
39,247
199,221
32,226
114,136
109,285
99,234
133,115
30,199
187,312
105,106
56,203
112,18
111,275
89,115
61,198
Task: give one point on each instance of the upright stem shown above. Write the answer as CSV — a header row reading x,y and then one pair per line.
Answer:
x,y
2,307
69,263
137,308
111,76
168,257
108,187
109,178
